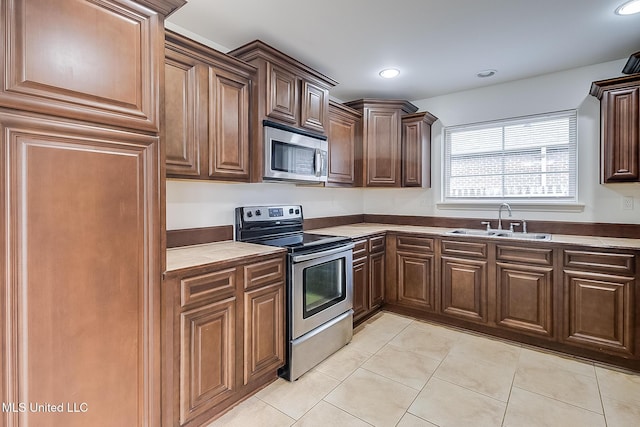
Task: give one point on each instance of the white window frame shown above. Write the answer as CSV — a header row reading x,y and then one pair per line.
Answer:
x,y
566,203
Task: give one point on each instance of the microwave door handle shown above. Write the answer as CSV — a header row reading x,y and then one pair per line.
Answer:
x,y
318,162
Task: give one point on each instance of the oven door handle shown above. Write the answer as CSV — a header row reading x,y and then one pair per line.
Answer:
x,y
307,257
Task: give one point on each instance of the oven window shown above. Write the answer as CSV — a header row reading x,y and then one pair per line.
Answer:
x,y
323,286
292,158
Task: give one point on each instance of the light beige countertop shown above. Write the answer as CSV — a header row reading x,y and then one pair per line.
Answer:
x,y
192,256
355,231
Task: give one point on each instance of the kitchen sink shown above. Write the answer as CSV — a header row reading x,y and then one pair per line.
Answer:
x,y
472,232
502,234
523,236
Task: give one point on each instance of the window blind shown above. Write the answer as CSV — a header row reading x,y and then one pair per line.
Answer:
x,y
532,158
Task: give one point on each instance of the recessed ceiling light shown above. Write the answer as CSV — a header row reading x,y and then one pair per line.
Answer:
x,y
389,73
629,8
486,73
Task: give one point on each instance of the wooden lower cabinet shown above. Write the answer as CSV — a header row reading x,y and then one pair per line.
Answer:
x,y
524,298
579,300
464,289
223,331
360,288
599,312
415,272
525,290
599,289
207,355
368,276
264,317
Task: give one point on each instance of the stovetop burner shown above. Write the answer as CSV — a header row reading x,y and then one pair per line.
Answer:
x,y
281,226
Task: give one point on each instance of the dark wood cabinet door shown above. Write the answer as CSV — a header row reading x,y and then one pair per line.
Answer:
x,y
263,331
411,154
416,280
229,125
376,279
382,151
282,94
207,355
621,135
80,59
343,137
524,298
599,311
185,114
360,288
464,288
80,209
416,149
314,110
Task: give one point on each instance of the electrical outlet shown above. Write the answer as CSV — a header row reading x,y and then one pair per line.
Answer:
x,y
627,203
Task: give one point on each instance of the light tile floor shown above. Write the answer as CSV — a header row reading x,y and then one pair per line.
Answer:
x,y
408,373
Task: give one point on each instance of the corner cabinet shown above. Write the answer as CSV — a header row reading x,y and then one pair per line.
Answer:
x,y
223,332
344,165
81,246
620,128
381,140
207,103
285,91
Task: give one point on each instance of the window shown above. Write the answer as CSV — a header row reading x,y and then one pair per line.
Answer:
x,y
530,158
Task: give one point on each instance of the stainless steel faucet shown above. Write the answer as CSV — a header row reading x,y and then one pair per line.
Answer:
x,y
504,205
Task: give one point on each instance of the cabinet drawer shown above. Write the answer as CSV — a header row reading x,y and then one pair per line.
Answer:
x,y
207,287
376,244
262,273
620,263
524,255
414,243
453,247
360,249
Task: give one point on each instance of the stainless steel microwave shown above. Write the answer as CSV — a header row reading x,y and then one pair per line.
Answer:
x,y
294,155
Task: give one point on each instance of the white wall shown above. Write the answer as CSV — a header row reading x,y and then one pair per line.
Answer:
x,y
552,92
193,204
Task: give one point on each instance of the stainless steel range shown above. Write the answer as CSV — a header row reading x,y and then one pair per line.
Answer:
x,y
319,283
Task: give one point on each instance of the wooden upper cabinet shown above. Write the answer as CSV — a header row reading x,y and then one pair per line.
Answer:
x,y
314,110
282,94
285,91
207,100
416,149
344,145
620,128
381,140
91,60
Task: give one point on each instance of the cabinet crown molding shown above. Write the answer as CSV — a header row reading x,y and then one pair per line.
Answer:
x,y
165,7
406,106
259,49
599,87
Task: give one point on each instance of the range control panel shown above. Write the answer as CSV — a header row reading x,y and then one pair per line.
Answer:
x,y
271,213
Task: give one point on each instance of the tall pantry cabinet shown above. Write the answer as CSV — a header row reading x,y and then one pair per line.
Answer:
x,y
80,211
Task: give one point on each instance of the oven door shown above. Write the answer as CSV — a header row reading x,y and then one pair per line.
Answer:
x,y
321,288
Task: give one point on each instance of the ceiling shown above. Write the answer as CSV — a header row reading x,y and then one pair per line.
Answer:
x,y
438,45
